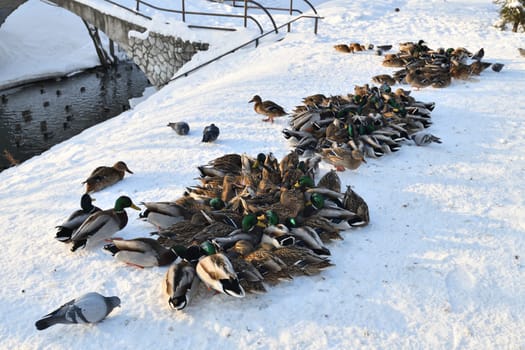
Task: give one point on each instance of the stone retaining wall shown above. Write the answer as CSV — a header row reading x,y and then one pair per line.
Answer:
x,y
161,56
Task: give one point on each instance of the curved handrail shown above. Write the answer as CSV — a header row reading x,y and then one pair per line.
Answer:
x,y
234,4
311,6
184,12
128,9
267,13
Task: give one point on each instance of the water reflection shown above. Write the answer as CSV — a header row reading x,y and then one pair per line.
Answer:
x,y
35,117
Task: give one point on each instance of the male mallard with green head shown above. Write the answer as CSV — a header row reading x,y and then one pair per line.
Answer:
x,y
73,222
103,224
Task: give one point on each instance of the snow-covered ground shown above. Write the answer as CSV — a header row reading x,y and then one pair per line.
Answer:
x,y
439,267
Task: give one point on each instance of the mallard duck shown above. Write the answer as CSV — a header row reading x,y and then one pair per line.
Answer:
x,y
267,108
181,283
459,70
88,308
66,229
356,47
270,266
163,214
316,100
210,133
342,48
216,271
417,80
356,204
181,233
384,79
393,60
181,128
141,252
103,224
289,161
328,231
441,80
226,164
344,158
105,176
423,138
477,67
331,181
300,260
311,239
250,279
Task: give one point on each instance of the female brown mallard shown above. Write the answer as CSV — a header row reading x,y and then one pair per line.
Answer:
x,y
105,176
343,158
267,108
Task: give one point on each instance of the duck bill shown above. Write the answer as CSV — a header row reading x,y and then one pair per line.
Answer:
x,y
135,207
129,171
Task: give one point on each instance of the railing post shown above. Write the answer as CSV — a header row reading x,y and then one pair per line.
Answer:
x,y
137,6
183,7
245,13
291,8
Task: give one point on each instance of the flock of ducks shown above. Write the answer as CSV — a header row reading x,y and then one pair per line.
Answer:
x,y
346,129
250,223
376,120
423,67
253,222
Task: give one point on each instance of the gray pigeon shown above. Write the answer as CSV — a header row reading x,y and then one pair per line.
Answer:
x,y
422,139
89,308
181,128
210,133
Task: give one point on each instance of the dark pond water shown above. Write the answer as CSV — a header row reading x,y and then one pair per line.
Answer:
x,y
37,116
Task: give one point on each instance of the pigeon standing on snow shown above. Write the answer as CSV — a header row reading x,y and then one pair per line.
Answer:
x,y
422,139
89,308
210,133
181,128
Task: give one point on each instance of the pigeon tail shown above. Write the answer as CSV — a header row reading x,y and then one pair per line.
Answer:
x,y
46,322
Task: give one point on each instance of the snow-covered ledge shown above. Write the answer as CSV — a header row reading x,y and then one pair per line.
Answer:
x,y
159,56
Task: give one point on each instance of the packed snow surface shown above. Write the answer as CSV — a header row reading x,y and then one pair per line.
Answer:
x,y
440,266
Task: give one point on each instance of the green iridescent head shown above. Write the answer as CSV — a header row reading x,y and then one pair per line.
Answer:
x,y
124,202
317,200
272,217
217,203
248,222
291,222
208,248
304,181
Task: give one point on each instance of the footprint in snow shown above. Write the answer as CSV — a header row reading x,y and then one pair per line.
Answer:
x,y
461,286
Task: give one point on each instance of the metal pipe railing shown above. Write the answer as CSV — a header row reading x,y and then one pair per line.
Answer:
x,y
183,13
256,40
